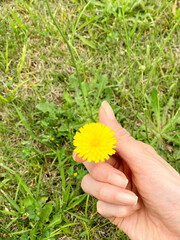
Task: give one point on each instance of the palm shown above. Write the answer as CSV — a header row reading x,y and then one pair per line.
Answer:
x,y
145,223
140,225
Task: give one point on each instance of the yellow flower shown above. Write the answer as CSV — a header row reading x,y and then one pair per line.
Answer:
x,y
110,34
94,142
75,174
10,78
52,139
15,26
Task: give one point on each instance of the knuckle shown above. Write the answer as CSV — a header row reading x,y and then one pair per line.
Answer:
x,y
101,208
147,147
101,192
95,171
122,133
121,212
84,182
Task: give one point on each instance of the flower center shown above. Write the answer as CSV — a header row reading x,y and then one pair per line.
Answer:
x,y
95,142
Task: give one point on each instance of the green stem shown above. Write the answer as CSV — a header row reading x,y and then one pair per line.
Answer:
x,y
72,57
128,47
145,109
160,52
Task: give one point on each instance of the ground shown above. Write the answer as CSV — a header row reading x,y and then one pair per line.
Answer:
x,y
55,70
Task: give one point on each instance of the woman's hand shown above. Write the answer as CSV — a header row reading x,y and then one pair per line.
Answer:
x,y
136,189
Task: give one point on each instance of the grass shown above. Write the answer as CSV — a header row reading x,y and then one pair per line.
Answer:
x,y
53,81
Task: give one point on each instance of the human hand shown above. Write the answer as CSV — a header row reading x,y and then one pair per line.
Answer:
x,y
156,214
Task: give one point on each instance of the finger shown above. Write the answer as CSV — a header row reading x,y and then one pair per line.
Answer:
x,y
107,192
76,158
132,151
104,172
109,210
113,160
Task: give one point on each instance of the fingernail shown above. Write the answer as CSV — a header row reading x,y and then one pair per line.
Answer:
x,y
126,198
108,110
118,180
136,201
74,155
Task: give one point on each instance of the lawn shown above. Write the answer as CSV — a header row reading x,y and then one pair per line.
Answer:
x,y
57,65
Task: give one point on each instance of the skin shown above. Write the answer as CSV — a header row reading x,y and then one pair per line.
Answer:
x,y
156,214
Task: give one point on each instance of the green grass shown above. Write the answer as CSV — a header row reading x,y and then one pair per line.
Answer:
x,y
53,81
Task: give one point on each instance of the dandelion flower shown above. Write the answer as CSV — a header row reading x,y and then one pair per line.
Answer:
x,y
94,142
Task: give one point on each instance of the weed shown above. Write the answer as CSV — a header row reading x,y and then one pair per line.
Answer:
x,y
58,62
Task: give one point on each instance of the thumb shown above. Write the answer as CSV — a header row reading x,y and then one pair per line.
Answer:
x,y
137,154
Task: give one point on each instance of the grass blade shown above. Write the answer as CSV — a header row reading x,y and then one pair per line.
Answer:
x,y
72,57
18,20
19,179
20,65
78,19
86,42
11,201
22,118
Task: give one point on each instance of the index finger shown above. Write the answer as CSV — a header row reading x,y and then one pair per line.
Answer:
x,y
114,161
105,172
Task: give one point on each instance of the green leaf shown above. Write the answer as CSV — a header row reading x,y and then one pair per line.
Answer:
x,y
28,201
59,155
75,201
73,81
103,80
24,237
154,99
169,106
13,213
18,20
62,128
32,214
177,16
46,107
3,99
11,201
66,194
178,166
57,219
26,124
23,57
68,98
86,42
84,89
19,180
79,217
42,200
46,211
155,105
